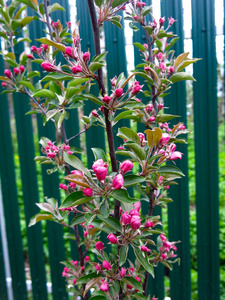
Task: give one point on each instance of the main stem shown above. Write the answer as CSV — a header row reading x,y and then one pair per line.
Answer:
x,y
109,130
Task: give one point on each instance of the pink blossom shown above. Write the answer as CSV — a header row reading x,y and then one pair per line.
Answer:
x,y
125,218
33,49
176,155
131,270
154,24
149,224
76,172
141,138
68,24
104,287
174,248
164,256
75,263
147,68
98,267
159,56
76,69
134,212
126,166
94,113
171,70
99,246
112,238
48,67
122,272
167,244
101,173
45,47
4,84
51,154
163,237
137,206
87,258
135,222
106,265
138,100
151,119
82,268
86,56
119,92
149,108
69,51
106,99
171,21
30,56
162,66
22,68
144,249
8,73
160,106
118,181
164,139
63,186
161,21
136,88
74,281
88,192
138,279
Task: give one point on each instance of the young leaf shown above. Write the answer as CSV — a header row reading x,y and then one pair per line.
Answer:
x,y
123,255
45,93
76,163
180,59
77,220
39,217
128,134
55,7
168,169
122,195
131,179
75,198
153,136
99,154
51,43
91,283
78,179
144,262
86,278
181,76
165,117
116,3
94,66
138,150
112,222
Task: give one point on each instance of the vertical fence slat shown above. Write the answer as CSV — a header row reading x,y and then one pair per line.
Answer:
x,y
30,192
178,211
11,209
206,149
51,189
94,137
3,287
155,285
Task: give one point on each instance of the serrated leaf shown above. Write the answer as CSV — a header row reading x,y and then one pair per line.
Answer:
x,y
56,76
122,196
111,222
78,179
168,169
128,134
45,93
144,262
27,84
181,76
74,199
131,179
39,217
77,220
138,150
132,281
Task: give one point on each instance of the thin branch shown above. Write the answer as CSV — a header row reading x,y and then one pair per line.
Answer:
x,y
109,131
78,134
47,19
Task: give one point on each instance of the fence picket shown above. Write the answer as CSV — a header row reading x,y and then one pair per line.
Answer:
x,y
3,287
206,149
178,211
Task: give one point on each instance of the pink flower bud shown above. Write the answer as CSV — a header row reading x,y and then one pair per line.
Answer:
x,y
125,218
164,139
104,287
98,267
68,24
87,258
112,238
147,68
51,155
88,192
137,88
161,21
163,237
144,249
176,155
94,113
101,173
63,186
8,73
149,108
137,206
106,99
171,21
162,66
86,56
126,166
74,281
151,119
174,248
138,279
33,49
22,68
134,212
106,265
141,137
149,224
160,179
75,263
55,148
122,272
118,181
76,172
85,233
119,92
167,244
82,268
154,24
171,70
48,67
99,246
164,256
159,56
135,222
69,51
76,69
4,84
138,100
30,56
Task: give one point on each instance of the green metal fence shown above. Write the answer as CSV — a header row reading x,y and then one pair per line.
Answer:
x,y
206,147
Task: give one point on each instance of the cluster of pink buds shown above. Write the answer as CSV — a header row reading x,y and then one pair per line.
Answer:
x,y
51,150
87,229
135,88
169,153
167,249
12,76
133,217
149,113
100,168
165,126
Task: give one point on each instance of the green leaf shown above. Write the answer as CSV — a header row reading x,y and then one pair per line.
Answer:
x,y
116,23
104,209
132,281
94,66
122,116
122,196
128,134
45,93
146,10
31,3
26,21
123,255
78,179
144,262
27,84
76,163
187,62
172,42
181,76
100,57
77,81
17,15
33,74
86,278
131,179
99,154
93,99
15,24
39,217
98,298
55,7
138,150
116,3
180,59
165,117
110,221
42,8
145,76
48,42
57,77
71,91
168,169
77,220
75,198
